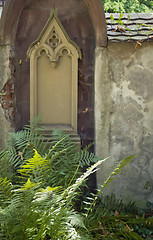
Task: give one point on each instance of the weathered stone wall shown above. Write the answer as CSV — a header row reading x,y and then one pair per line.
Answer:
x,y
7,99
124,117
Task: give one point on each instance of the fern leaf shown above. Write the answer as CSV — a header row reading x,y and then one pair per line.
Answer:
x,y
116,171
5,190
111,177
35,165
70,190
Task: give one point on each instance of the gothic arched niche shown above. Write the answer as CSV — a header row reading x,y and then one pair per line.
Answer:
x,y
54,76
84,21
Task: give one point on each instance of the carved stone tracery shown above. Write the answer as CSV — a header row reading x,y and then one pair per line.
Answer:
x,y
53,40
54,48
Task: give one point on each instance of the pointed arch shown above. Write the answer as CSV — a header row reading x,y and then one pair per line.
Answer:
x,y
13,8
98,18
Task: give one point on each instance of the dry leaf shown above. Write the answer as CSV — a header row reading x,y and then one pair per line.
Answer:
x,y
20,153
116,213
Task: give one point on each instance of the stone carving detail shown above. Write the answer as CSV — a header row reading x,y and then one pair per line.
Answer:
x,y
54,52
54,56
54,40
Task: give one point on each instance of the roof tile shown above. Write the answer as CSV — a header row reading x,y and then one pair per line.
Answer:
x,y
129,27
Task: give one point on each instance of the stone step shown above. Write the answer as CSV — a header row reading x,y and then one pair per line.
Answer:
x,y
47,133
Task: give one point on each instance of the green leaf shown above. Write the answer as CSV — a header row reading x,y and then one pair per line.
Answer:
x,y
28,185
111,17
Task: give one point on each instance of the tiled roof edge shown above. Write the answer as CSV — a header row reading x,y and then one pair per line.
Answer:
x,y
138,25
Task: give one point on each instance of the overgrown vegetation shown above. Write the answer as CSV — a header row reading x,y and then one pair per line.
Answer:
x,y
41,185
130,6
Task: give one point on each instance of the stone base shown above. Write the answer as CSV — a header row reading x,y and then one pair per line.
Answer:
x,y
47,133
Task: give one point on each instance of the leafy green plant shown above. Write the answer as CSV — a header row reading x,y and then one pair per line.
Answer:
x,y
124,6
37,197
63,154
21,146
110,218
38,211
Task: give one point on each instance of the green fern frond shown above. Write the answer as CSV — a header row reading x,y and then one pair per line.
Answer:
x,y
23,142
69,192
5,190
34,165
116,171
86,158
111,177
57,136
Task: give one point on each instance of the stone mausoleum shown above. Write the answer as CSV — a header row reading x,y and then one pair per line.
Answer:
x,y
86,72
